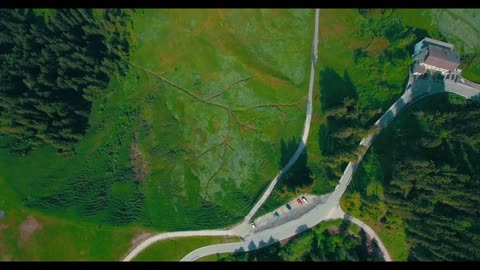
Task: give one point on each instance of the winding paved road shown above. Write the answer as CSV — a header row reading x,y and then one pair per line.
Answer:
x,y
415,91
149,241
339,214
322,209
306,126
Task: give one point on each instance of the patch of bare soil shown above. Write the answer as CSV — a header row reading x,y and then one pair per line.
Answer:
x,y
140,166
27,228
136,241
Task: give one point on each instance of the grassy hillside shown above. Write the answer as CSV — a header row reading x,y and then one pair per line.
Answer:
x,y
27,235
209,166
186,140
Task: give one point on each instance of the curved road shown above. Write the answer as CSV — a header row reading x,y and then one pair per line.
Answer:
x,y
149,241
329,209
339,214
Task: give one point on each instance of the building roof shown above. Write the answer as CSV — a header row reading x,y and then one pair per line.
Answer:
x,y
438,42
442,58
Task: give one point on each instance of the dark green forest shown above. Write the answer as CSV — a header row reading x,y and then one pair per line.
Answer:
x,y
52,70
322,243
428,163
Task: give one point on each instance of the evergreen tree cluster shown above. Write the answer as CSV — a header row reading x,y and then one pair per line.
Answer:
x,y
427,163
435,185
52,70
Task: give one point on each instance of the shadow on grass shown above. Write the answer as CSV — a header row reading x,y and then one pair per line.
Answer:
x,y
334,88
299,174
265,251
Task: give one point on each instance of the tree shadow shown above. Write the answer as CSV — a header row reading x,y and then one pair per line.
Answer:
x,y
238,250
287,149
476,98
271,240
362,249
252,246
301,228
262,244
337,135
345,225
406,128
299,174
265,251
334,91
334,88
419,35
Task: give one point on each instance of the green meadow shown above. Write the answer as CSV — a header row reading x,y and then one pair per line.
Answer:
x,y
187,139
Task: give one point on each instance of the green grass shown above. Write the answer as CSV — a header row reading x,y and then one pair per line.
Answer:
x,y
460,26
472,74
175,249
417,18
203,51
230,52
58,239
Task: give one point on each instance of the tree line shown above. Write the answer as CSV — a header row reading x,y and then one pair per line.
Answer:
x,y
427,164
52,70
434,186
